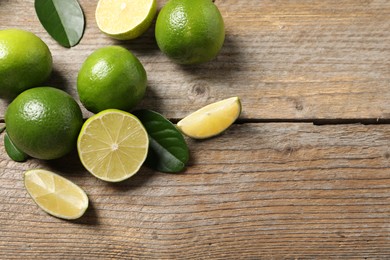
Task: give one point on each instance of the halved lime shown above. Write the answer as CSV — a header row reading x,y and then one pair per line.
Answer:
x,y
125,19
212,119
55,194
113,145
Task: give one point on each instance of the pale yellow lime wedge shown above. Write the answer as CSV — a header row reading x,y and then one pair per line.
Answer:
x,y
55,194
113,145
212,119
125,19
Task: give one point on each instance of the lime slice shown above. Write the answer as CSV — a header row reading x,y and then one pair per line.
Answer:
x,y
55,194
212,119
125,19
113,145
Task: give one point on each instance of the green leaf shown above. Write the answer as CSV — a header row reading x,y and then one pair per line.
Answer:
x,y
168,151
62,19
13,152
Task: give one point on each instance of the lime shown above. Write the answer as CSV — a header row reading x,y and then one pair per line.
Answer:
x,y
190,31
125,19
212,119
44,122
113,145
25,62
55,194
111,77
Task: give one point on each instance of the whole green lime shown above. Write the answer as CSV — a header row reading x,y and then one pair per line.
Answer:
x,y
44,122
111,77
25,62
190,31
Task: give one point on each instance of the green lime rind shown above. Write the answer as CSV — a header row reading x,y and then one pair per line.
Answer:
x,y
13,152
111,78
168,150
44,122
25,62
190,32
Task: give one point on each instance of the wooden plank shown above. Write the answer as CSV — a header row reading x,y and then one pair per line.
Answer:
x,y
280,190
297,60
273,190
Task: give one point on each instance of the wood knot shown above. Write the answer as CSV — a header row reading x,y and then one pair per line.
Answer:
x,y
288,150
199,91
297,103
299,106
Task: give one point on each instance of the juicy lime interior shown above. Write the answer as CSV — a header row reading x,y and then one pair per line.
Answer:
x,y
125,19
113,145
55,194
211,119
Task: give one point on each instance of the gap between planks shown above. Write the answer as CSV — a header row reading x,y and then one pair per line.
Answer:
x,y
322,121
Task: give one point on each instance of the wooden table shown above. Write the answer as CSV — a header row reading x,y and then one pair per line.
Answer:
x,y
304,173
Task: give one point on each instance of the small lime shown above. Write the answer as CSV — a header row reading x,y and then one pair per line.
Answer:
x,y
111,77
44,122
190,31
25,62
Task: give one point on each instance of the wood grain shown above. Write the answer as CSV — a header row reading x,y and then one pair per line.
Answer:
x,y
262,190
273,191
294,60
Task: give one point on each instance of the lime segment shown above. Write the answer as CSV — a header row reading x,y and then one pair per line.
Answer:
x,y
55,194
113,145
212,119
125,19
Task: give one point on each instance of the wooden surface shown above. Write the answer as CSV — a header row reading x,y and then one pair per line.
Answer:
x,y
293,179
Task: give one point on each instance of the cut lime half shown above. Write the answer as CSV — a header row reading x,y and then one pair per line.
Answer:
x,y
113,145
125,19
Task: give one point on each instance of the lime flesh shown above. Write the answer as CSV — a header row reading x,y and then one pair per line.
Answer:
x,y
113,145
55,195
125,19
212,119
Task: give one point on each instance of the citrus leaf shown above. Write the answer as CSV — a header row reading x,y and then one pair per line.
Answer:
x,y
63,20
13,152
168,151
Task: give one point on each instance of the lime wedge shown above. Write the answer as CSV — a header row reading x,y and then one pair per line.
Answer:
x,y
55,194
125,19
113,145
212,119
